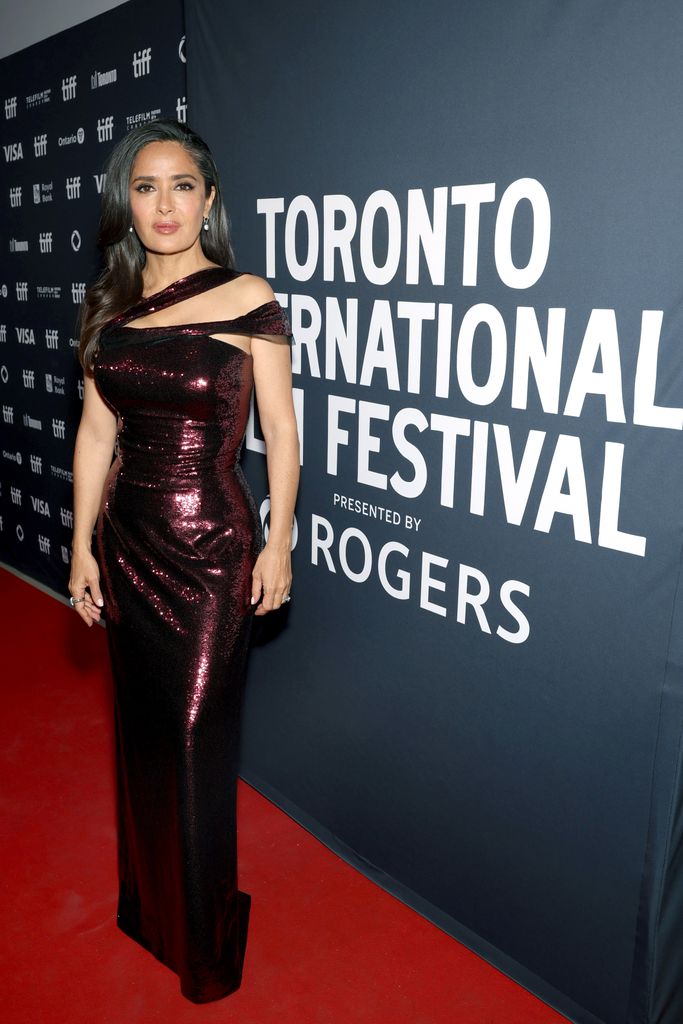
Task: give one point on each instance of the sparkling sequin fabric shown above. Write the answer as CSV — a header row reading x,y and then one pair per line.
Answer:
x,y
176,537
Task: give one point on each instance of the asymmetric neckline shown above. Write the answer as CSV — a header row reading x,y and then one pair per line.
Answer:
x,y
268,318
180,280
184,288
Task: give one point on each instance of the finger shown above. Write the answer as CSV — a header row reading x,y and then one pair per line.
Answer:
x,y
266,604
84,614
256,588
94,586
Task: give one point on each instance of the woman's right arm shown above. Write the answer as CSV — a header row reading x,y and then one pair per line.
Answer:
x,y
93,452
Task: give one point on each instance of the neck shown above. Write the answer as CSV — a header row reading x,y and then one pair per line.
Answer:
x,y
162,270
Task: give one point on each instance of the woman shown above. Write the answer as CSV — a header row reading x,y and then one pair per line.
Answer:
x,y
172,340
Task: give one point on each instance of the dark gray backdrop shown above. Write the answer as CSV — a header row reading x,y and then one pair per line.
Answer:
x,y
65,102
525,796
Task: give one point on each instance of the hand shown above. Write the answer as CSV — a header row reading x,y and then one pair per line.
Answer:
x,y
86,574
272,577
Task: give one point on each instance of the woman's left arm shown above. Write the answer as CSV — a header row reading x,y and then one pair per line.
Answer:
x,y
272,575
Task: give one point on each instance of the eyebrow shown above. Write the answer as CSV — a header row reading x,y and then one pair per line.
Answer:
x,y
153,177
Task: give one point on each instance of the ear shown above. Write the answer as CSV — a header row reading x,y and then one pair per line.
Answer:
x,y
209,201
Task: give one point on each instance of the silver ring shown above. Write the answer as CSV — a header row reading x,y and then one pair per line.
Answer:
x,y
75,600
288,598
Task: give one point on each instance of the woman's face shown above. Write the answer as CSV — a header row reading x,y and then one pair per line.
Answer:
x,y
167,195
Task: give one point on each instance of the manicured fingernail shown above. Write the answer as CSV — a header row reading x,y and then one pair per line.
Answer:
x,y
100,602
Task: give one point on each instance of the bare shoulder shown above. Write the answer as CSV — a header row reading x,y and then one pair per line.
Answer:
x,y
239,296
253,290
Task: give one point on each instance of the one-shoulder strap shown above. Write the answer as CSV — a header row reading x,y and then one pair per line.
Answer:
x,y
267,319
178,291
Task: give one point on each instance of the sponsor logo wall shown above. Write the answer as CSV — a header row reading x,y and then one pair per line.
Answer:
x,y
63,103
473,213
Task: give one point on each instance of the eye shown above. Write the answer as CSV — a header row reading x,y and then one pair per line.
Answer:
x,y
185,185
143,186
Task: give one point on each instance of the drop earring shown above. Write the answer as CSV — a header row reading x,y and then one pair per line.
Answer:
x,y
130,229
206,224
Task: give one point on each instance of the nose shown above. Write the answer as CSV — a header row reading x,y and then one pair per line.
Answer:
x,y
165,200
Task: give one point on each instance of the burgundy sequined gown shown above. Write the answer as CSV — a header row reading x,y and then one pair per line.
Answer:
x,y
176,538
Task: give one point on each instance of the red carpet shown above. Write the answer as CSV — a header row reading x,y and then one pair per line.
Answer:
x,y
326,945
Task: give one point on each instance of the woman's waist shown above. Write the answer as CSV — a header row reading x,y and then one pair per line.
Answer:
x,y
177,463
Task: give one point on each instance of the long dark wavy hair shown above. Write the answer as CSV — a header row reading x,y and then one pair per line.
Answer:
x,y
120,283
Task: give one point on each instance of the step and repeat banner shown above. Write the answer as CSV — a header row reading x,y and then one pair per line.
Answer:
x,y
473,213
65,102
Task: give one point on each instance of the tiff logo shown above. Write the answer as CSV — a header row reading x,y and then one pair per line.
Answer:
x,y
44,544
45,241
69,88
58,428
81,388
3,333
105,129
100,182
10,107
73,187
36,463
66,517
22,291
78,291
142,60
15,196
8,414
15,495
181,109
51,337
29,378
40,144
